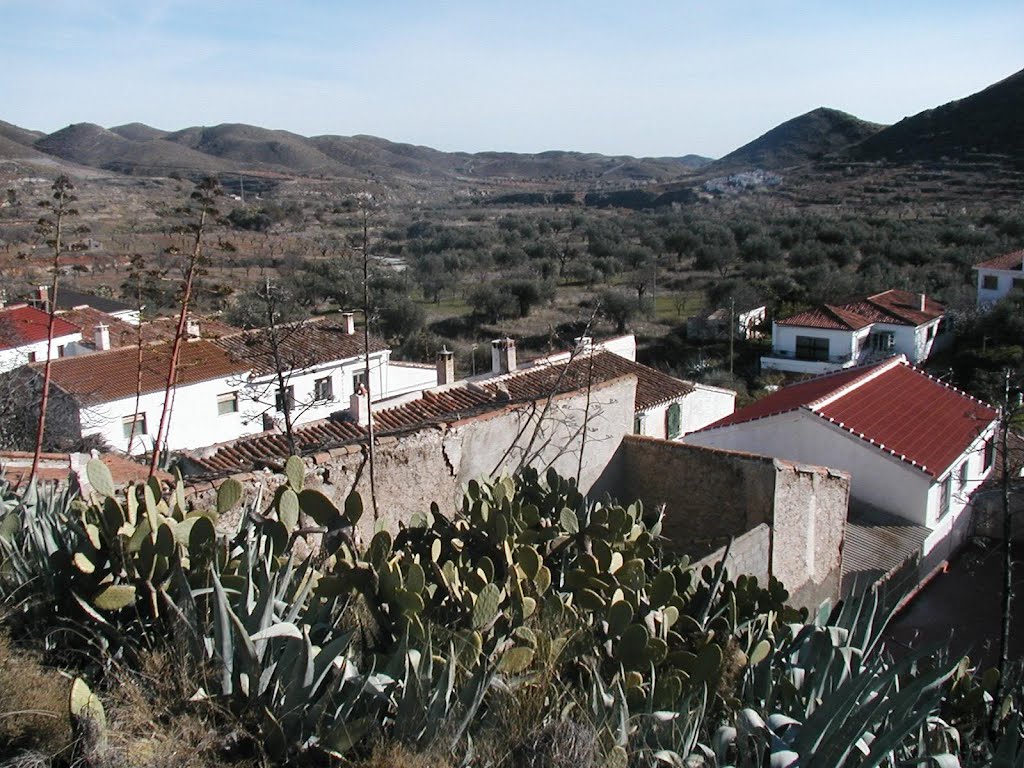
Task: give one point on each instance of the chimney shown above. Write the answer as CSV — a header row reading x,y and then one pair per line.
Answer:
x,y
920,302
503,356
445,367
43,297
102,338
192,329
349,321
359,407
583,343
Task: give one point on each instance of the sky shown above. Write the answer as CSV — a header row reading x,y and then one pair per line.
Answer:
x,y
641,78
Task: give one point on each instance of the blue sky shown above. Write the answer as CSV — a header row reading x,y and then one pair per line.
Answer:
x,y
639,78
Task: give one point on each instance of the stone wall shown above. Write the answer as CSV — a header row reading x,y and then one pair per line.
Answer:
x,y
748,554
436,462
711,496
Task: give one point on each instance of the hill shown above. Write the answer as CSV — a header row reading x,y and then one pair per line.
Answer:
x,y
807,138
89,144
19,135
138,132
985,123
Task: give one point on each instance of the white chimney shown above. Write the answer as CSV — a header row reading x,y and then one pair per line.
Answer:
x,y
503,356
359,407
102,338
445,367
192,329
43,295
920,302
583,343
349,322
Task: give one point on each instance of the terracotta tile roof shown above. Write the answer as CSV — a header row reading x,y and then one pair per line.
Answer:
x,y
21,325
87,318
905,307
894,307
164,328
106,376
302,345
891,405
1014,260
452,404
827,316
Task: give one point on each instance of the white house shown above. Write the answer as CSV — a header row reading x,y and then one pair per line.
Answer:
x,y
914,446
715,324
665,407
998,276
23,331
102,387
322,364
834,337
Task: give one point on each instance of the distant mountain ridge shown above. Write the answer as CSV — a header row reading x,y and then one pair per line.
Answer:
x,y
140,149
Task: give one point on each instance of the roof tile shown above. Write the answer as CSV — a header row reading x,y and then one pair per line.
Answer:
x,y
21,325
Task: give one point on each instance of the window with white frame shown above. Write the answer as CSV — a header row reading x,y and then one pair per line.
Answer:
x,y
990,453
323,389
359,380
990,282
945,496
227,403
133,426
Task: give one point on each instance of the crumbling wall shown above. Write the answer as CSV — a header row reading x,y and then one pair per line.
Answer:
x,y
436,462
748,554
708,498
711,496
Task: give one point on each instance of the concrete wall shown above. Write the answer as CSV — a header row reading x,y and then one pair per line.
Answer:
x,y
435,463
711,496
748,554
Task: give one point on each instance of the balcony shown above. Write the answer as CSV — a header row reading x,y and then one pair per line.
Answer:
x,y
786,360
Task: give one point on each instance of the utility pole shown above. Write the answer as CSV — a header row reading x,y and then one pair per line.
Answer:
x,y
1007,603
732,330
366,350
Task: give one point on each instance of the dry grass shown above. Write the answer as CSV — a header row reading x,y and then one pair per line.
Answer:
x,y
34,717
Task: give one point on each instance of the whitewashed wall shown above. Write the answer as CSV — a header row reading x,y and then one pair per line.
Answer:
x,y
19,356
194,423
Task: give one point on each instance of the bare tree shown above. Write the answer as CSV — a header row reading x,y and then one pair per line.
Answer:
x,y
205,197
52,227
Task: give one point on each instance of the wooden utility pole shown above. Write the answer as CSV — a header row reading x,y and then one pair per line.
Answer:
x,y
366,349
732,330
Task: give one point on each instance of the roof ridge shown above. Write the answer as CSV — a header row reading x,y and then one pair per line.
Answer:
x,y
871,371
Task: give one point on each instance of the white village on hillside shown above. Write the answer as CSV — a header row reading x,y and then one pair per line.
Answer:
x,y
864,469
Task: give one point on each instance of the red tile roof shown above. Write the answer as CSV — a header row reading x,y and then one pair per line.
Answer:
x,y
55,467
1014,260
106,376
894,307
21,325
892,405
301,345
452,404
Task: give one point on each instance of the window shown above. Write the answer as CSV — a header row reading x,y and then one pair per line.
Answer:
x,y
32,357
945,496
323,389
990,282
963,474
638,423
138,421
359,380
285,400
60,350
811,348
883,341
931,332
990,453
1018,283
227,403
673,418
